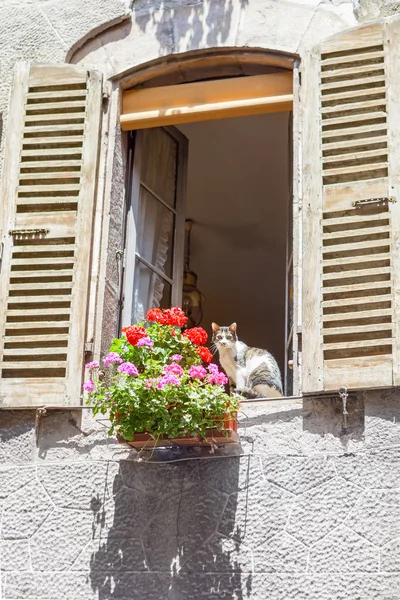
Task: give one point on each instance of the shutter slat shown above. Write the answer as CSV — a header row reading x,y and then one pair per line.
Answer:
x,y
49,187
352,71
53,141
359,118
30,351
365,273
53,152
34,96
43,261
349,246
30,129
368,57
358,143
362,231
343,345
334,85
355,329
53,175
357,130
23,365
340,289
63,187
58,107
355,96
371,313
349,302
359,108
41,164
64,117
42,286
355,169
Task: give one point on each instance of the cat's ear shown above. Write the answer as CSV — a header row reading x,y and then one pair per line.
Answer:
x,y
215,327
233,327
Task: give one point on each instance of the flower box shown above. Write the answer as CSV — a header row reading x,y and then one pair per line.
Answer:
x,y
214,437
159,381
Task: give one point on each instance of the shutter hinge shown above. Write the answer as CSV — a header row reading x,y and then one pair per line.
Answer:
x,y
378,201
121,255
89,347
106,100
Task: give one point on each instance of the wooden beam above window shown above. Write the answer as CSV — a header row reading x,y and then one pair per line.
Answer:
x,y
205,100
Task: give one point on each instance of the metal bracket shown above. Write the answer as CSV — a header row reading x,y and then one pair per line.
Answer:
x,y
18,232
343,393
378,201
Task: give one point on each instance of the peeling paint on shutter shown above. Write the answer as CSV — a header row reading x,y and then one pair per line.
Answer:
x,y
351,209
48,193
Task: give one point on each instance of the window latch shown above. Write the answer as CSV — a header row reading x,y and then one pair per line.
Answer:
x,y
378,201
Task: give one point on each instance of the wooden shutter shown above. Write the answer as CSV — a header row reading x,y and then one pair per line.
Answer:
x,y
48,187
351,203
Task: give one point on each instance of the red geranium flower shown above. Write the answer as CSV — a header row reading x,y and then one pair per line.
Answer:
x,y
155,314
197,335
170,316
134,334
175,316
204,354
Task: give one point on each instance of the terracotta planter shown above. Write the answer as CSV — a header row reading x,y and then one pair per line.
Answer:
x,y
214,437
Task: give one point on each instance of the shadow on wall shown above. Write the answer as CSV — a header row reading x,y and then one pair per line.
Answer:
x,y
165,527
188,20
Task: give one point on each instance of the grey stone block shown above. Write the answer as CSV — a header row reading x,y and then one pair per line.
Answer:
x,y
76,435
371,470
74,485
319,510
24,511
256,514
390,557
159,479
180,525
14,478
297,474
377,516
14,555
125,515
66,530
111,556
220,555
281,554
17,427
229,475
343,551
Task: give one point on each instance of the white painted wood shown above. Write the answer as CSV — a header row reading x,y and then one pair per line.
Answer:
x,y
352,275
54,252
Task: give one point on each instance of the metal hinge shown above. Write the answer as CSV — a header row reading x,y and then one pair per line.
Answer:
x,y
374,201
28,231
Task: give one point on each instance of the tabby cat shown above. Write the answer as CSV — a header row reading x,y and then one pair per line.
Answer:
x,y
252,372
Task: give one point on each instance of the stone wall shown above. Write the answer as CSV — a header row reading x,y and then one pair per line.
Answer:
x,y
308,510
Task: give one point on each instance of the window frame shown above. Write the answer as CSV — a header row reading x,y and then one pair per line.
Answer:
x,y
133,199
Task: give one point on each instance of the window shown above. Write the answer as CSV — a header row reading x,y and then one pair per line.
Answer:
x,y
237,191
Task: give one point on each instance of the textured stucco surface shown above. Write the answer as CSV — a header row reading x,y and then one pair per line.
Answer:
x,y
303,509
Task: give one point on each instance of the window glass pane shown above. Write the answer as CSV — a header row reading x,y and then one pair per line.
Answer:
x,y
158,170
155,230
150,291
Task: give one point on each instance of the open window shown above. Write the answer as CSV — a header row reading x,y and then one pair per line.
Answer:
x,y
232,177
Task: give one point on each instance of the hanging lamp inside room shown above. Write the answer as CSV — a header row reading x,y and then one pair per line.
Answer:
x,y
192,298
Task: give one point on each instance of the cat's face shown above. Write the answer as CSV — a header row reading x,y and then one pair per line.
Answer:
x,y
224,337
